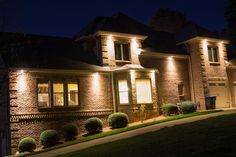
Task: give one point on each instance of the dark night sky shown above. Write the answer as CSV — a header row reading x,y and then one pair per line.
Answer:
x,y
66,17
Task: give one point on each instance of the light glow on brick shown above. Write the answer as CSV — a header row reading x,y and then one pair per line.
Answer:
x,y
21,83
170,64
134,46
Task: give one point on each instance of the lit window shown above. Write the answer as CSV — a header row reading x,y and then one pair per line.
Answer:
x,y
72,94
213,54
122,52
123,92
143,90
43,94
58,94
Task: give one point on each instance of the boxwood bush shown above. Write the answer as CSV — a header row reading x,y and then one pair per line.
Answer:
x,y
69,132
49,138
93,125
118,120
169,109
187,107
27,144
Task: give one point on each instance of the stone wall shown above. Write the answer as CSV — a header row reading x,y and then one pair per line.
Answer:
x,y
27,119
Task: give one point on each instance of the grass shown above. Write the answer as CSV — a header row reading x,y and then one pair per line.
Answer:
x,y
213,137
117,131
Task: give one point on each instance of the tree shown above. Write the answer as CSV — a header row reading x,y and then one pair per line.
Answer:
x,y
167,20
230,16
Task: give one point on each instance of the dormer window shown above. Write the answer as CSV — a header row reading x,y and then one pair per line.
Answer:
x,y
213,54
122,52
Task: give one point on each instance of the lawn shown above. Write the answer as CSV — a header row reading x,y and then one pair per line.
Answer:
x,y
214,137
128,128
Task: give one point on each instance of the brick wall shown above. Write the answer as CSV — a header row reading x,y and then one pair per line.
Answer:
x,y
132,108
28,120
171,72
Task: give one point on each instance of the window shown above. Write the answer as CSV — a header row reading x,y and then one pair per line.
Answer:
x,y
143,90
122,52
181,91
43,94
58,94
213,54
123,92
72,94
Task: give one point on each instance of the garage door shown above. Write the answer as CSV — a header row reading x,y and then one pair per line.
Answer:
x,y
220,90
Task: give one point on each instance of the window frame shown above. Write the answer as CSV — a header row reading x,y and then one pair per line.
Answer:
x,y
49,93
151,92
122,51
211,53
123,91
65,93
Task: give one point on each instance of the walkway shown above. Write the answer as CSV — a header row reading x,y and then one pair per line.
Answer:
x,y
128,134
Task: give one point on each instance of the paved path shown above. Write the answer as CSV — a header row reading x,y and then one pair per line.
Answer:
x,y
128,134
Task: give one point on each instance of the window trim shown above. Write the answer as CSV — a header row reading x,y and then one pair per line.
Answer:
x,y
128,91
212,54
49,93
151,90
122,55
65,95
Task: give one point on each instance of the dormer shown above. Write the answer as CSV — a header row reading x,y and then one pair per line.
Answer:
x,y
118,49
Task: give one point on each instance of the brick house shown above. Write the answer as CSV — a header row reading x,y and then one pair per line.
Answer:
x,y
113,64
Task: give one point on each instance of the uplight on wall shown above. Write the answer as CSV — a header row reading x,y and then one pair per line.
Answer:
x,y
21,80
132,74
96,82
170,63
204,46
134,46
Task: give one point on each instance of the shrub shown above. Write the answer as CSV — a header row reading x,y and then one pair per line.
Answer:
x,y
187,107
49,138
93,125
27,144
169,109
69,132
118,120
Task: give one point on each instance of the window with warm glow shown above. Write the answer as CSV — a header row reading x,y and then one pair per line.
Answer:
x,y
123,91
58,94
43,94
143,90
213,54
72,94
122,52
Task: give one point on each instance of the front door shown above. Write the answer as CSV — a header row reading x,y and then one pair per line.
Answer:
x,y
221,91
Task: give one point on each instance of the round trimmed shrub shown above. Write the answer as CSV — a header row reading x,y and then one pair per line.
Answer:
x,y
118,120
169,109
187,107
93,125
27,144
49,138
69,132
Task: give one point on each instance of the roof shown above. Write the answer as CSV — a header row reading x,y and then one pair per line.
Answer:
x,y
157,41
34,51
118,22
192,30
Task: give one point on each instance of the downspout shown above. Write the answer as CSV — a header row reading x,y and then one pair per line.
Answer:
x,y
113,92
193,97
